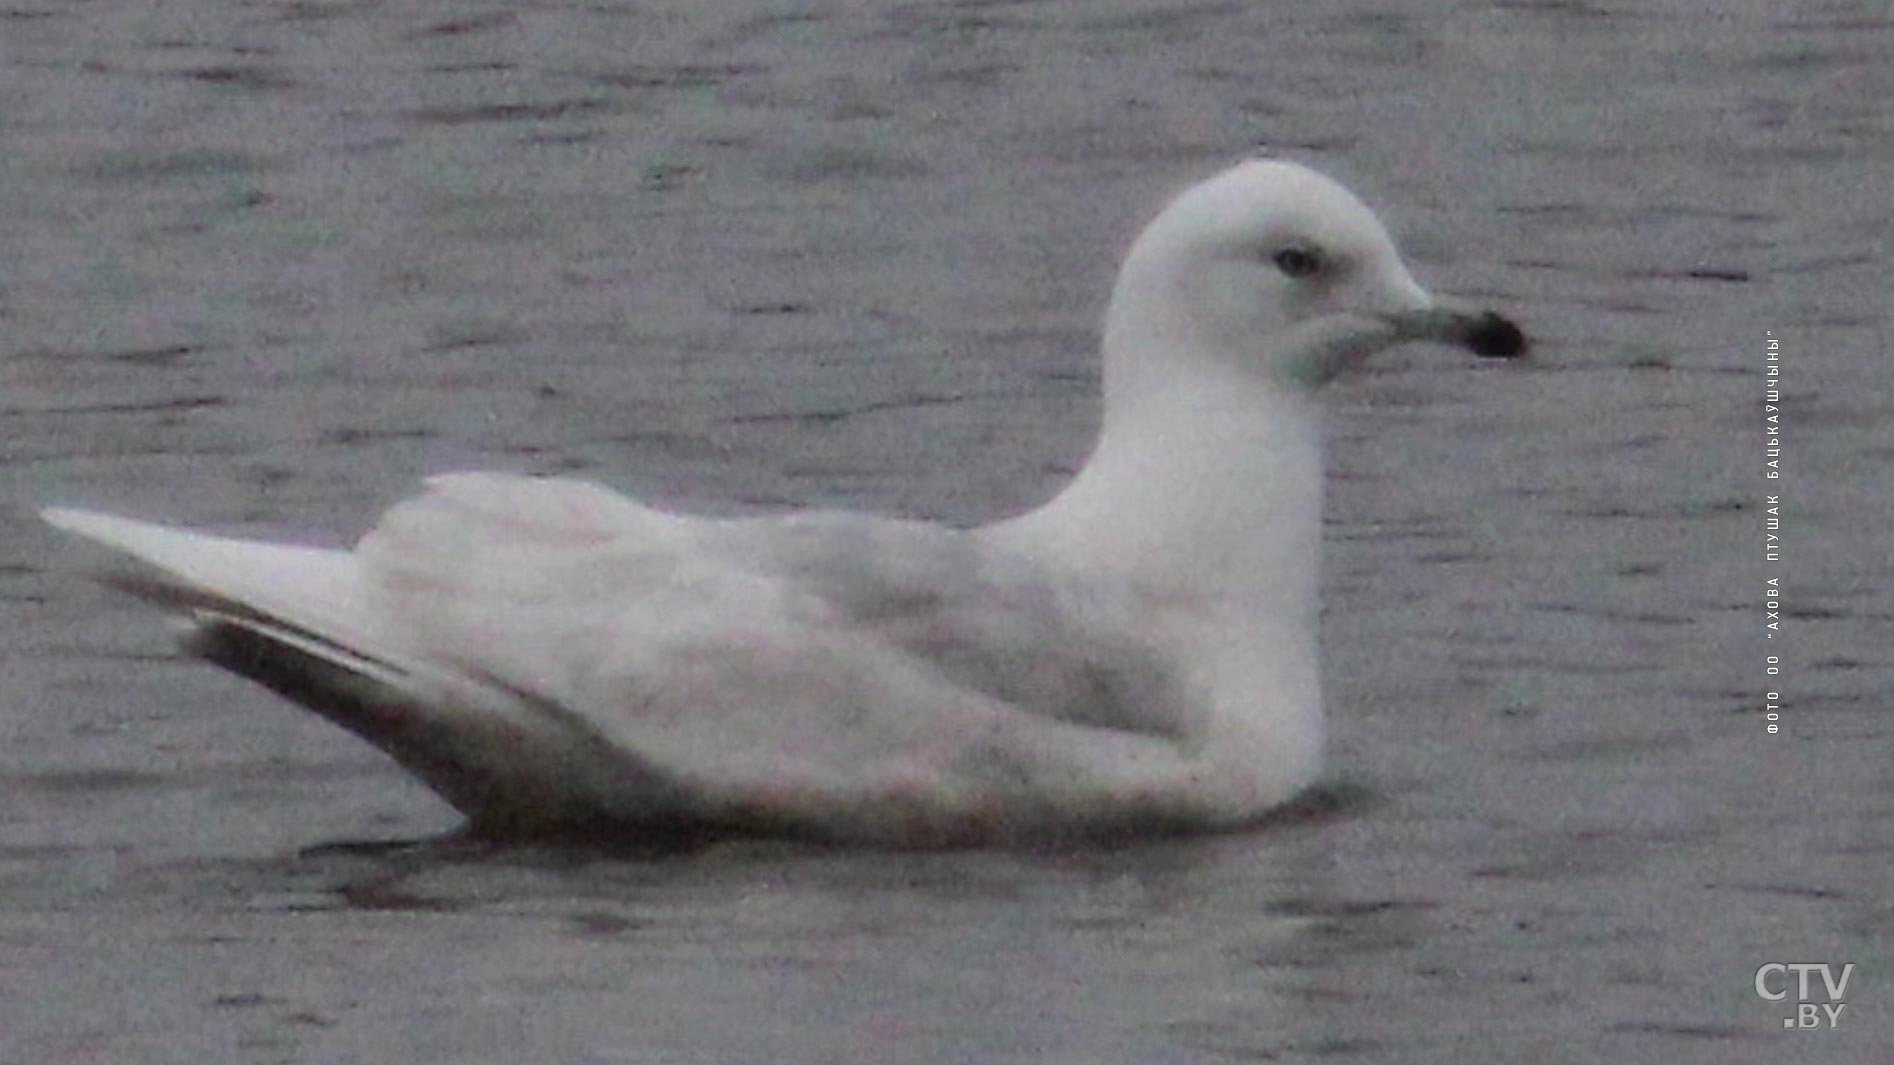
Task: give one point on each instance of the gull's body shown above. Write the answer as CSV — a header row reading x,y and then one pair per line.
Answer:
x,y
1138,653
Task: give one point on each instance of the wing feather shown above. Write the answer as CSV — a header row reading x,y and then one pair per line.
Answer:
x,y
566,589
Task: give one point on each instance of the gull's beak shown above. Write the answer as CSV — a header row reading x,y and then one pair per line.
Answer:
x,y
1451,321
1334,343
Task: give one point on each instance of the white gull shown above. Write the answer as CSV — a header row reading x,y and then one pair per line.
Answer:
x,y
1139,653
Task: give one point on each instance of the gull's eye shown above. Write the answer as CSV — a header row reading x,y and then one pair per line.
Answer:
x,y
1298,260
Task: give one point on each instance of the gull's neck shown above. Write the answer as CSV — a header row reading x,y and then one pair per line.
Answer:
x,y
1206,483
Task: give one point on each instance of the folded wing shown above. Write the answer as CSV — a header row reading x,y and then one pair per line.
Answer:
x,y
545,651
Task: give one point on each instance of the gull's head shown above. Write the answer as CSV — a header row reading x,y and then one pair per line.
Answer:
x,y
1277,271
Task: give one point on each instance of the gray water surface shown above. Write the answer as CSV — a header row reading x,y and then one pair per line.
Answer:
x,y
264,266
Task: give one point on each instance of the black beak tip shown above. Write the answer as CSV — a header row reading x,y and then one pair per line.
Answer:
x,y
1496,337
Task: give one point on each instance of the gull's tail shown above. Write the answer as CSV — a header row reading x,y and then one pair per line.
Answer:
x,y
300,621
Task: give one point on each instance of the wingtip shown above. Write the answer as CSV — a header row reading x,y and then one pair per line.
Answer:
x,y
108,529
58,517
88,523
